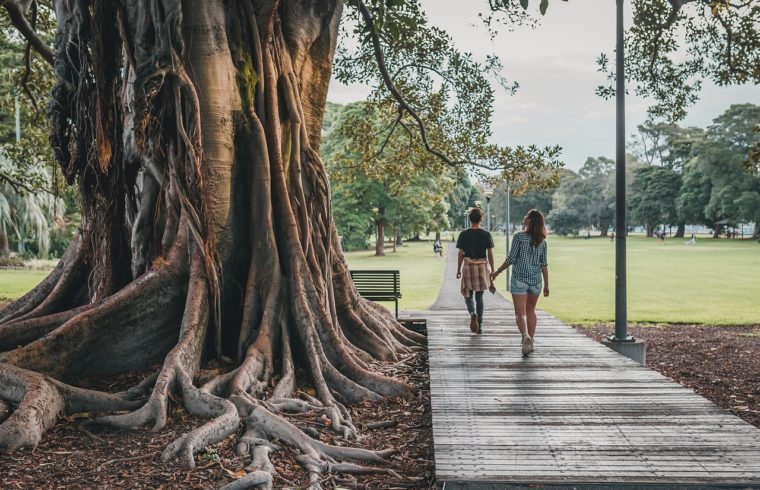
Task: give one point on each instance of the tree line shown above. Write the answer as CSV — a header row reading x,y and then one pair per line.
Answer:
x,y
677,176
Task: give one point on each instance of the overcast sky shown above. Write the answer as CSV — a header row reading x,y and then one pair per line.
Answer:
x,y
555,65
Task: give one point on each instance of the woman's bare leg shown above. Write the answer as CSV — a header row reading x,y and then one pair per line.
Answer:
x,y
530,313
519,302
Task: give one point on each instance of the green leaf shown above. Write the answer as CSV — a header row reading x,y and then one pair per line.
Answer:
x,y
524,4
543,6
394,3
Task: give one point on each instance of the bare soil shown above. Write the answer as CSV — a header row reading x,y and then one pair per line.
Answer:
x,y
75,456
718,362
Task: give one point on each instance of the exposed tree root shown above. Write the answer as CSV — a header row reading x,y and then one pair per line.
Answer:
x,y
39,400
207,232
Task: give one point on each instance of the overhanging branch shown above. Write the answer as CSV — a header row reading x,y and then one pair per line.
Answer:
x,y
20,22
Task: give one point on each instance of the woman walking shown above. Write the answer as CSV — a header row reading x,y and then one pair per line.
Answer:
x,y
529,261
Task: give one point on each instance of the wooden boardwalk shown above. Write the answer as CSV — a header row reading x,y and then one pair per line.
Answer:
x,y
572,412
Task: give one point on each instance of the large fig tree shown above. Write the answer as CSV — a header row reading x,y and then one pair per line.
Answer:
x,y
192,129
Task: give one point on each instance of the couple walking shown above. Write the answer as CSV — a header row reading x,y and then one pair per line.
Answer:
x,y
528,259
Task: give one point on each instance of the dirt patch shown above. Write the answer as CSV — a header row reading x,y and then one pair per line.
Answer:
x,y
720,363
73,457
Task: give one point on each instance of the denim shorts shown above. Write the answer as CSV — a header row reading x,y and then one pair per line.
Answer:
x,y
519,287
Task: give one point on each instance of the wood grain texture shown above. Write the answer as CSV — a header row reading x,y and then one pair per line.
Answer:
x,y
573,411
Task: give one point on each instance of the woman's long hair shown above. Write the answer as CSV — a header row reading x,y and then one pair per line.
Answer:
x,y
536,227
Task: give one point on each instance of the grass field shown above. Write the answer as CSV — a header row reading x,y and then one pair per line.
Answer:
x,y
15,283
714,282
421,272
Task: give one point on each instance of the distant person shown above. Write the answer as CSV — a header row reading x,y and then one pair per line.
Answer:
x,y
438,247
693,240
475,244
612,236
529,258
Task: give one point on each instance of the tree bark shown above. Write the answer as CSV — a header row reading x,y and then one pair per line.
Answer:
x,y
192,128
680,230
380,237
650,230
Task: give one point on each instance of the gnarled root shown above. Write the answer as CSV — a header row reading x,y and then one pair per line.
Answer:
x,y
316,457
39,400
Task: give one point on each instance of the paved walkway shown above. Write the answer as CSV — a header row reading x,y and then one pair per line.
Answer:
x,y
572,412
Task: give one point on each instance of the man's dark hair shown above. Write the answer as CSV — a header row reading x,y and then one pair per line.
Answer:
x,y
476,215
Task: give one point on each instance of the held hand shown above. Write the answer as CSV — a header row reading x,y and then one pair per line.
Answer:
x,y
459,274
546,291
494,275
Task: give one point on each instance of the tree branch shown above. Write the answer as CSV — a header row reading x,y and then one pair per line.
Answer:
x,y
388,81
19,21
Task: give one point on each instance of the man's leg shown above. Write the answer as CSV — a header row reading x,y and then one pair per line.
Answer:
x,y
471,309
479,307
469,303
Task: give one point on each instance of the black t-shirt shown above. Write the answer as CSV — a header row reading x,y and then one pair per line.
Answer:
x,y
474,242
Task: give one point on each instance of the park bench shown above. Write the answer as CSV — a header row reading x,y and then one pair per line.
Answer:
x,y
378,285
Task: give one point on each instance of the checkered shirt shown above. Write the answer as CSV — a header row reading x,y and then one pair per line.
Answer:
x,y
526,259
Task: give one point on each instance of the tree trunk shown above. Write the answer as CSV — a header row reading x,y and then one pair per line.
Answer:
x,y
650,230
717,231
192,128
437,236
680,230
5,246
380,241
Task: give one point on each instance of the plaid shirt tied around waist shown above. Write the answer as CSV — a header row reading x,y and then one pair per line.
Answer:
x,y
475,276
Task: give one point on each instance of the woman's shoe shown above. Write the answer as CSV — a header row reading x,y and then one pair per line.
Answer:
x,y
526,345
531,344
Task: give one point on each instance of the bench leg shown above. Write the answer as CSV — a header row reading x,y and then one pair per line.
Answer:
x,y
396,308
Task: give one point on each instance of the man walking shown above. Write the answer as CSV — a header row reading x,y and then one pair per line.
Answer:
x,y
474,245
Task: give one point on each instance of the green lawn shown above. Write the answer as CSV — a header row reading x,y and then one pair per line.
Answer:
x,y
716,281
421,272
15,283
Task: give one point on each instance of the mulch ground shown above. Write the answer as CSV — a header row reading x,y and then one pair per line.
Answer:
x,y
720,363
72,456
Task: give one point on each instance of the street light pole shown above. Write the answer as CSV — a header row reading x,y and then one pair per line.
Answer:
x,y
621,302
489,193
508,228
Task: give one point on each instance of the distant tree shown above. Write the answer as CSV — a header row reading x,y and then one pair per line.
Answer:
x,y
395,186
570,206
717,189
461,197
668,146
652,200
521,202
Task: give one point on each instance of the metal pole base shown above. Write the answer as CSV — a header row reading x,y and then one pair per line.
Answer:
x,y
628,338
632,349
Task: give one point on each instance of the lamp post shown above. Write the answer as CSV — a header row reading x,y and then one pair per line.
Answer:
x,y
489,193
507,228
621,302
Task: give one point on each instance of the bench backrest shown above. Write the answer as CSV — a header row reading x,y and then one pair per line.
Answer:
x,y
377,283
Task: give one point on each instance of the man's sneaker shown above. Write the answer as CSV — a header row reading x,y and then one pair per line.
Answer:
x,y
474,323
526,345
480,329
